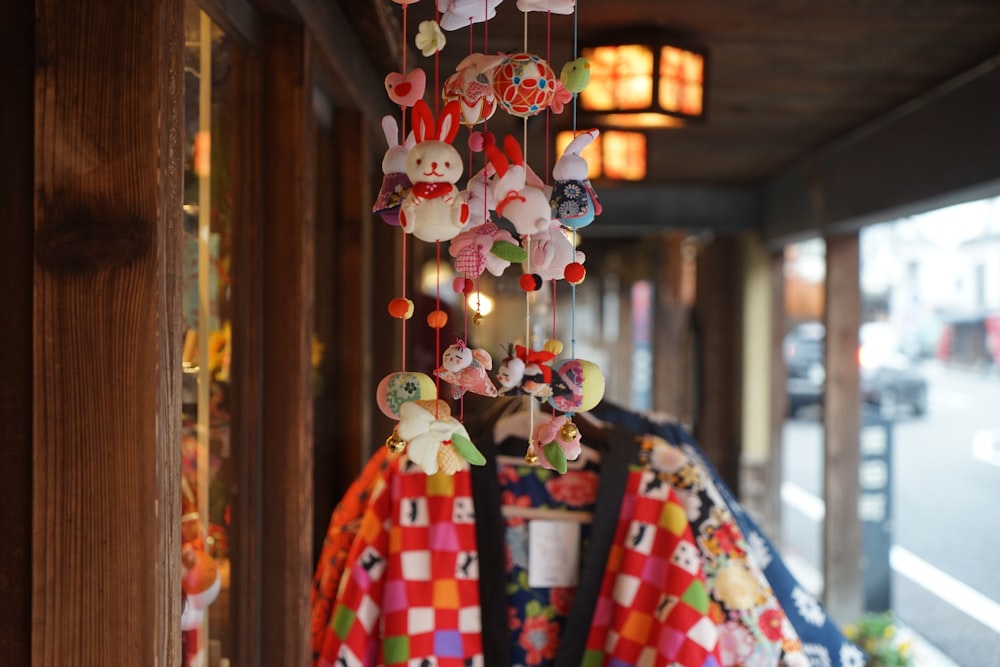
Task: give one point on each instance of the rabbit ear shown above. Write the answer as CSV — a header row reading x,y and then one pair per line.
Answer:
x,y
497,159
423,121
581,141
390,128
513,149
410,142
447,126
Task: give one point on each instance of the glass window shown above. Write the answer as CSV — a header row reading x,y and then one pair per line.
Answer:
x,y
209,488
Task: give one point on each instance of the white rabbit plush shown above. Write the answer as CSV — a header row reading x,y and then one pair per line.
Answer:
x,y
434,210
551,251
574,201
395,183
520,200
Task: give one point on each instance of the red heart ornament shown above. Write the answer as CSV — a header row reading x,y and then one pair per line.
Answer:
x,y
405,90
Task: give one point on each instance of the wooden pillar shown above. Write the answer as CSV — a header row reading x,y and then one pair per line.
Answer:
x,y
671,365
757,364
288,289
771,505
17,49
841,431
106,360
353,232
717,322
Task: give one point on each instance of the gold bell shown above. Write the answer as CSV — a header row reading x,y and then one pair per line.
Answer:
x,y
530,456
477,318
394,443
569,432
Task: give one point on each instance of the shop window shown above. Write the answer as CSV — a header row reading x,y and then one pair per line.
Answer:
x,y
209,472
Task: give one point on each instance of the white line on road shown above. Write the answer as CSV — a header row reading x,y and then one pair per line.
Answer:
x,y
986,446
959,595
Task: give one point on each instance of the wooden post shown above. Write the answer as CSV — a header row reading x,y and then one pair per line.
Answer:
x,y
17,49
671,389
771,505
108,155
756,395
717,317
841,431
288,288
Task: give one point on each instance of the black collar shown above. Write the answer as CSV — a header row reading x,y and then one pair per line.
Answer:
x,y
618,450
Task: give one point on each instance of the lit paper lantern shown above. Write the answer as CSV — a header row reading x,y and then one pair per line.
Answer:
x,y
524,84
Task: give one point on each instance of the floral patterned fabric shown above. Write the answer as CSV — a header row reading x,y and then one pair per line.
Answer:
x,y
822,642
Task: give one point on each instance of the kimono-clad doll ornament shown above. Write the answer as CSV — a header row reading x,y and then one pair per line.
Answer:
x,y
525,372
465,369
434,210
574,202
395,183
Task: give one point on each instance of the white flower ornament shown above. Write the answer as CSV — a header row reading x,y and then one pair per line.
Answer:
x,y
428,425
430,39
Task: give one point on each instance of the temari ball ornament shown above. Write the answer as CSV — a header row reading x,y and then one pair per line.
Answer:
x,y
524,84
398,388
577,385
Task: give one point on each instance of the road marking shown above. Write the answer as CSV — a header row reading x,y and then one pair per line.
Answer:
x,y
986,446
941,584
959,595
792,494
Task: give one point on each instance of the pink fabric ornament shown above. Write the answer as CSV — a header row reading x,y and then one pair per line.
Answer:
x,y
548,432
472,86
561,98
405,90
465,368
524,84
471,250
457,14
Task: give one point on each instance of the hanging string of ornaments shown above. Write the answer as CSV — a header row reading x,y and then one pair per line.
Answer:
x,y
505,215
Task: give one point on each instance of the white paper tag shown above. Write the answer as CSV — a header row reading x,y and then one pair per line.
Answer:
x,y
553,553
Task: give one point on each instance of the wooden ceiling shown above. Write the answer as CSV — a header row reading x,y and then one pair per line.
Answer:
x,y
786,80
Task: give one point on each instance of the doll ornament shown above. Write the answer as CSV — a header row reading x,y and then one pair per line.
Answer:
x,y
574,201
466,369
551,251
525,372
434,209
517,190
395,183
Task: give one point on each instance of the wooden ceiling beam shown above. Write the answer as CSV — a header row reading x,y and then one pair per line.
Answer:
x,y
650,209
939,149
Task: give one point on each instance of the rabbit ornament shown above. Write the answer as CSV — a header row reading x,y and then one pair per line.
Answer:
x,y
520,200
434,209
395,182
574,201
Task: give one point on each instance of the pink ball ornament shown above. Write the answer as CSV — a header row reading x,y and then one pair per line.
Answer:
x,y
524,84
476,105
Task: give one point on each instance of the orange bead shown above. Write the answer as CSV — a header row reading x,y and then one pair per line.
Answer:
x,y
436,319
401,308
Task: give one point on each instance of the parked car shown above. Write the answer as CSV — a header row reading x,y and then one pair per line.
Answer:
x,y
889,378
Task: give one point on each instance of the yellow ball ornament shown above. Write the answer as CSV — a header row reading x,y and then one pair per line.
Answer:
x,y
553,345
593,385
398,388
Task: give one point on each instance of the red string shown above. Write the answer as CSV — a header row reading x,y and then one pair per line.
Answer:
x,y
402,109
404,296
548,59
437,330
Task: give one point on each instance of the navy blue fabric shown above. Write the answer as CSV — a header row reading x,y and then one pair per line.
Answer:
x,y
822,641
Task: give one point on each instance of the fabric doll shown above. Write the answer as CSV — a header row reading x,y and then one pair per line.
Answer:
x,y
472,86
554,6
526,372
434,209
395,183
519,199
574,201
486,247
457,14
465,368
550,251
